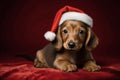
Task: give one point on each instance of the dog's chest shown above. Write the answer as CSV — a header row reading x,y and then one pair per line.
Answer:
x,y
67,55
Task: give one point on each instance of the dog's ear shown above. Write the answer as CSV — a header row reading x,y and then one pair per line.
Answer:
x,y
58,40
91,40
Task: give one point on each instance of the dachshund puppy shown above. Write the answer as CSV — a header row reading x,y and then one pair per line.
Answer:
x,y
71,48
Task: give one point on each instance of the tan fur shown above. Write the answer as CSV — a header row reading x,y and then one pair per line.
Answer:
x,y
40,60
59,54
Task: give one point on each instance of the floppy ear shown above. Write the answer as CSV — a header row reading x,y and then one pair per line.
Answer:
x,y
58,40
91,40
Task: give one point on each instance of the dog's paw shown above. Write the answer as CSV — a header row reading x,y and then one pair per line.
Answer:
x,y
38,64
91,67
69,68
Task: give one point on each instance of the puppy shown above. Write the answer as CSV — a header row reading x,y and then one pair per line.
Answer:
x,y
71,48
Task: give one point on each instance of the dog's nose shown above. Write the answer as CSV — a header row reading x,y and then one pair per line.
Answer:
x,y
71,44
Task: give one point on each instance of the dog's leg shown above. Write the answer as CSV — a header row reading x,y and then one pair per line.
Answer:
x,y
64,64
39,61
91,66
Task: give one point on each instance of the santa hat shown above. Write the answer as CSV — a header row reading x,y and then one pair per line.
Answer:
x,y
67,13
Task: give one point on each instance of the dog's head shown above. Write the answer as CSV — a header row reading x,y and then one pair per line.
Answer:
x,y
74,35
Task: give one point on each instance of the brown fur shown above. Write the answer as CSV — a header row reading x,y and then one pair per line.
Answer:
x,y
59,54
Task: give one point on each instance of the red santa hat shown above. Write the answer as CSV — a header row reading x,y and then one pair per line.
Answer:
x,y
67,13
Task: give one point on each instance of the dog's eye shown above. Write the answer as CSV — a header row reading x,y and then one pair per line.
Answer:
x,y
81,32
65,31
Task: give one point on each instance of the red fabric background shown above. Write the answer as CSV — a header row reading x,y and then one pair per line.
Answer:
x,y
24,22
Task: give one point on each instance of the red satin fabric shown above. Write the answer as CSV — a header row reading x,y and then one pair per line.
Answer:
x,y
15,68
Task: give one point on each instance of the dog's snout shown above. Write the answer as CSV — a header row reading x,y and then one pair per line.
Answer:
x,y
71,44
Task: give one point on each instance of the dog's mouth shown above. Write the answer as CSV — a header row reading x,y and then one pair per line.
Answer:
x,y
75,47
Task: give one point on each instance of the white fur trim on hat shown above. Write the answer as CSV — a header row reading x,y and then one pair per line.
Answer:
x,y
77,16
50,36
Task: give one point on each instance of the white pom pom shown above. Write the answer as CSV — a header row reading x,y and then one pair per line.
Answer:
x,y
50,36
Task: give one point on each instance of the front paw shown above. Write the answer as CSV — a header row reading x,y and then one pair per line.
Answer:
x,y
91,67
68,68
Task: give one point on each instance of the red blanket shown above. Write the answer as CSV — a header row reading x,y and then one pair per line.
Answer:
x,y
14,68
